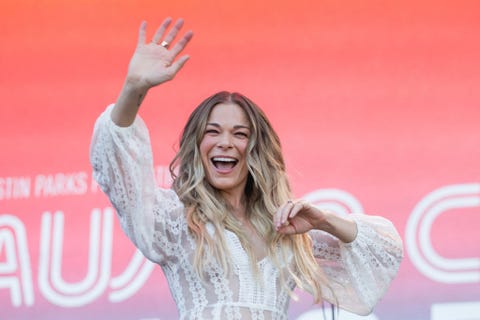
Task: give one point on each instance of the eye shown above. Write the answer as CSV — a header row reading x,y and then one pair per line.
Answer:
x,y
241,134
211,131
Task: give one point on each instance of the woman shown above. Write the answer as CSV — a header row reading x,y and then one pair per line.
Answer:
x,y
231,242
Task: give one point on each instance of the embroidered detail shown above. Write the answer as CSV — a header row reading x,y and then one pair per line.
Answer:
x,y
154,219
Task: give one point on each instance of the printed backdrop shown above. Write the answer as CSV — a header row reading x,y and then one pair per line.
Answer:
x,y
377,104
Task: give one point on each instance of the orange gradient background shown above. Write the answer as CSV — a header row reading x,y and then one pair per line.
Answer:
x,y
377,98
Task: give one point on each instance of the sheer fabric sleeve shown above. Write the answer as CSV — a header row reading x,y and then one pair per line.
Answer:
x,y
359,273
122,163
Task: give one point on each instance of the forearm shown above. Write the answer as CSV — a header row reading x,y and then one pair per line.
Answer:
x,y
343,228
128,103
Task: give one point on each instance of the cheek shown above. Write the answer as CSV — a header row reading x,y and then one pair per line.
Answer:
x,y
243,148
205,146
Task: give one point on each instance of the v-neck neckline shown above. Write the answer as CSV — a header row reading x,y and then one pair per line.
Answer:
x,y
239,249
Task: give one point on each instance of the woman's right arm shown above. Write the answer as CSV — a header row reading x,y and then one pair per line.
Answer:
x,y
152,63
120,151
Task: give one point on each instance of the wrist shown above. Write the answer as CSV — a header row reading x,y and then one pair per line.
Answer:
x,y
135,86
327,223
341,227
128,103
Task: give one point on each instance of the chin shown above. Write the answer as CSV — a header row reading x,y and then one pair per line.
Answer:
x,y
227,186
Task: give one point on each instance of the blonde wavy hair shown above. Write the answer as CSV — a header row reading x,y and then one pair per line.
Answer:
x,y
267,188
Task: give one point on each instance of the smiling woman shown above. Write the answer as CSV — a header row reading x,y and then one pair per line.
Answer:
x,y
223,149
231,241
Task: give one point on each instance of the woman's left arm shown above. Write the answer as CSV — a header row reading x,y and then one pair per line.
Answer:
x,y
359,255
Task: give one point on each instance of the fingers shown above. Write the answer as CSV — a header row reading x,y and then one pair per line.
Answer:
x,y
161,30
283,214
299,206
179,46
142,32
169,38
282,219
173,32
182,43
285,220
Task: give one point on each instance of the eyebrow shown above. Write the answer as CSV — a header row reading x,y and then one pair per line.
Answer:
x,y
238,126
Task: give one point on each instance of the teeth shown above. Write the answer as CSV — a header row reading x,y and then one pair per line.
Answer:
x,y
223,159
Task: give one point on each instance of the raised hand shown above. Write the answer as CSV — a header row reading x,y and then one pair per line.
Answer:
x,y
155,62
152,64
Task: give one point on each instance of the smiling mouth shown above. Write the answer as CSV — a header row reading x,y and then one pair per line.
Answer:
x,y
224,163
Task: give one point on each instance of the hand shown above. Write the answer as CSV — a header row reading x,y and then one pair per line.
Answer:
x,y
154,63
298,217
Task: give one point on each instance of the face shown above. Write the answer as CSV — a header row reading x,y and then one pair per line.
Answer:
x,y
224,146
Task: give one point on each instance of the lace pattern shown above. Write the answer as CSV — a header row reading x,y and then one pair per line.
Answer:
x,y
154,219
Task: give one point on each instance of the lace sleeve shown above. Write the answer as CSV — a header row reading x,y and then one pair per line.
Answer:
x,y
122,163
359,273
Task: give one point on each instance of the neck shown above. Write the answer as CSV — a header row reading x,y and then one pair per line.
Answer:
x,y
237,203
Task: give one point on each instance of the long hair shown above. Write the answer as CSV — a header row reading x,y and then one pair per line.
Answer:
x,y
267,188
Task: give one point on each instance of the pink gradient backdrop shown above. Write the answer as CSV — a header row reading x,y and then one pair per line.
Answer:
x,y
378,99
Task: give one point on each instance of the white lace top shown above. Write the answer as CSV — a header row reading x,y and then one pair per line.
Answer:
x,y
154,219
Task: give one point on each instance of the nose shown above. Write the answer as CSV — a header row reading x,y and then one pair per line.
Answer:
x,y
225,141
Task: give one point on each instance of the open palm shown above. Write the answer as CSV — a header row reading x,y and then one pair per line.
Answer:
x,y
154,63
